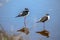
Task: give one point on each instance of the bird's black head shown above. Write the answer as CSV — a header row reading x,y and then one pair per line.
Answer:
x,y
26,9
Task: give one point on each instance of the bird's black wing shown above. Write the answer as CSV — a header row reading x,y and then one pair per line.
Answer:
x,y
43,19
24,13
18,16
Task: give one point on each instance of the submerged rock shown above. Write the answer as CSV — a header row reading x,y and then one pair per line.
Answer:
x,y
24,30
44,33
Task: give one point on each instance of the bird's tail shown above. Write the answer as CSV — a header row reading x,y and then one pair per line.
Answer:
x,y
17,16
37,21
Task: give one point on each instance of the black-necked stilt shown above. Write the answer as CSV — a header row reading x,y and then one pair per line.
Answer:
x,y
24,14
44,19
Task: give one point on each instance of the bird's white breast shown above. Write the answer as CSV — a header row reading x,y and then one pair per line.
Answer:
x,y
48,17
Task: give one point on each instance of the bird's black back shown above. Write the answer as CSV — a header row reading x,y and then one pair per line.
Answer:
x,y
24,13
45,18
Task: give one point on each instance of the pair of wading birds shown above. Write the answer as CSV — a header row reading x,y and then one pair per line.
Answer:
x,y
25,30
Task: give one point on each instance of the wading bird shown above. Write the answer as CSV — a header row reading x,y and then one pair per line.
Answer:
x,y
43,20
24,14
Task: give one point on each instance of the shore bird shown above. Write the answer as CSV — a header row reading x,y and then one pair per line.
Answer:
x,y
44,19
24,13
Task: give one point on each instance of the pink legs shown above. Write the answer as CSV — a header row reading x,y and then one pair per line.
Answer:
x,y
43,25
25,21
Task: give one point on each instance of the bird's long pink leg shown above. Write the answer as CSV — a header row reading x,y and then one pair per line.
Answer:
x,y
25,24
25,21
43,25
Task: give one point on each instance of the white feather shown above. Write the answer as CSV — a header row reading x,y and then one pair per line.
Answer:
x,y
28,13
48,17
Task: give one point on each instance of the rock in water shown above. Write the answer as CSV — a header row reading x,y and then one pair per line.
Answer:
x,y
44,33
24,30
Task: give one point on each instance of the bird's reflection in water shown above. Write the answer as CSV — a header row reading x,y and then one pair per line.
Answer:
x,y
24,30
44,33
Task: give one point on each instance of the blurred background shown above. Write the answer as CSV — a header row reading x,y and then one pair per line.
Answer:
x,y
38,8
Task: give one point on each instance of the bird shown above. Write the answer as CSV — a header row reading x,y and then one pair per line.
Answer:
x,y
44,18
23,13
44,33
